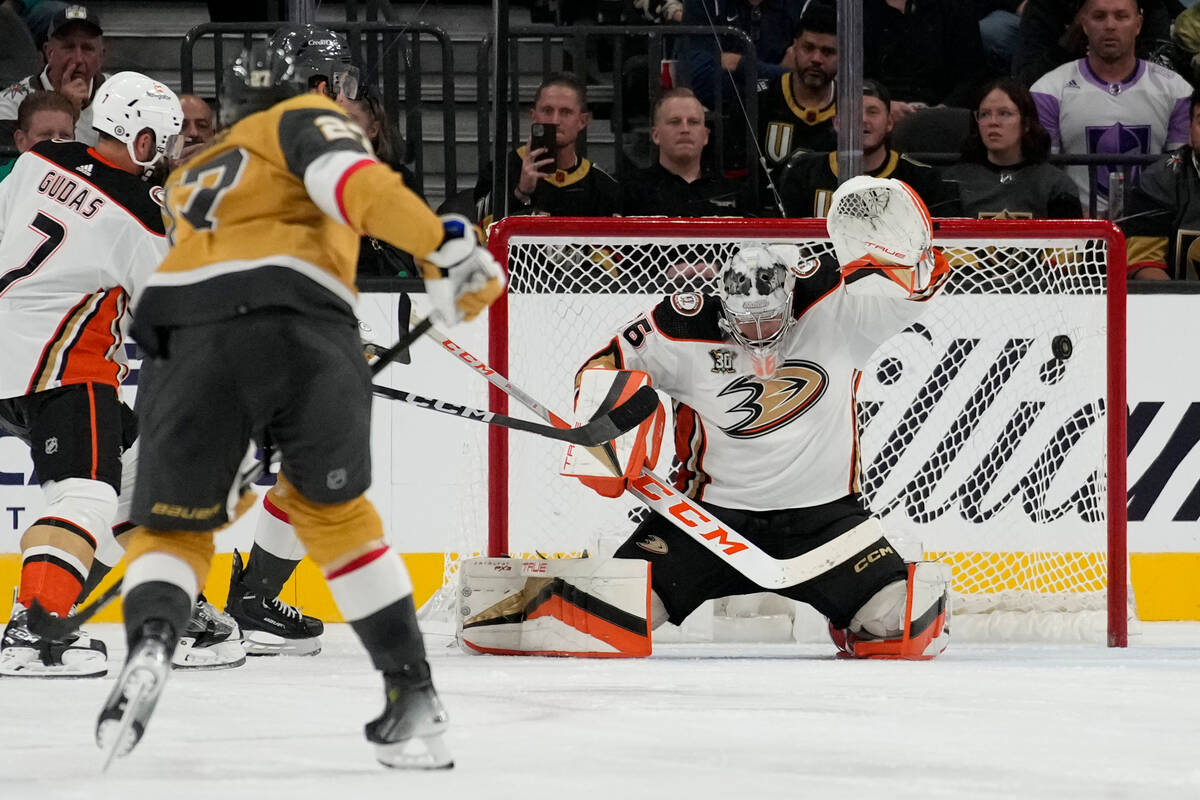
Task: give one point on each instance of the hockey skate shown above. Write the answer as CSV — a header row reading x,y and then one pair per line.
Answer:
x,y
211,640
127,711
24,654
408,734
270,627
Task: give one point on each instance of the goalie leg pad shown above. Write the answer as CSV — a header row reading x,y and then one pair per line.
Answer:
x,y
586,607
903,620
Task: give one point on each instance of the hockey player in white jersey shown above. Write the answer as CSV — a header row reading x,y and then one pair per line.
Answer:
x,y
80,233
763,377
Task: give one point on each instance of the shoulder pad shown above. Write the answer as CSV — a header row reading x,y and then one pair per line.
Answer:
x,y
811,289
689,316
139,198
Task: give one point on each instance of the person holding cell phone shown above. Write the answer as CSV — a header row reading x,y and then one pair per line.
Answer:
x,y
546,175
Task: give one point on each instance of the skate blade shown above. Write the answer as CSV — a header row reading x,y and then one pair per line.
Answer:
x,y
419,752
27,664
224,655
261,643
119,737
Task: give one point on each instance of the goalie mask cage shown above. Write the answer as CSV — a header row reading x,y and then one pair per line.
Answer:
x,y
984,428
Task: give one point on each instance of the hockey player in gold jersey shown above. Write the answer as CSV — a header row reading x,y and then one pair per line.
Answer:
x,y
249,330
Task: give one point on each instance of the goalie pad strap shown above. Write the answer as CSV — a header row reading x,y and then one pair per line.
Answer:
x,y
923,632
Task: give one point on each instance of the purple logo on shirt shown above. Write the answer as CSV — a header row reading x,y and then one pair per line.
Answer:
x,y
1117,139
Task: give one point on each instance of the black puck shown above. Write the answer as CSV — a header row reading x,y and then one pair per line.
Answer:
x,y
1061,347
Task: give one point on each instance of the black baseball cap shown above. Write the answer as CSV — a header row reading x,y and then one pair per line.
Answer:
x,y
876,89
74,15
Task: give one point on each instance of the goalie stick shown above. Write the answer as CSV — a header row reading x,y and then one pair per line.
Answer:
x,y
601,429
685,513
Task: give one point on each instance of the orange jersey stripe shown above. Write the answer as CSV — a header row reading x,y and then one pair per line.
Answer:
x,y
89,357
690,444
91,390
855,453
42,375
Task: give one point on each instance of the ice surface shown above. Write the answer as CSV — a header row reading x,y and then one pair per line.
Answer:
x,y
694,721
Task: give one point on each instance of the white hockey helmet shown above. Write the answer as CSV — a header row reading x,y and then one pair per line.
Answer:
x,y
755,287
129,103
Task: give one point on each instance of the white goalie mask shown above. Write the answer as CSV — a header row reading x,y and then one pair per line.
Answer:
x,y
755,287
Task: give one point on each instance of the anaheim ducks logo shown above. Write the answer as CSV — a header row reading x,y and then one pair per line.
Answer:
x,y
774,402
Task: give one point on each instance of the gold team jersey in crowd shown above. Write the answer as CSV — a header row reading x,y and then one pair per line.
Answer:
x,y
269,217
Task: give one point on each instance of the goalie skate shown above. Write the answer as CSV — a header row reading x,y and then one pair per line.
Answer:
x,y
127,710
211,640
269,626
408,734
24,654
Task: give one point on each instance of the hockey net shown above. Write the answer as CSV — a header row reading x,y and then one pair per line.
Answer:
x,y
984,435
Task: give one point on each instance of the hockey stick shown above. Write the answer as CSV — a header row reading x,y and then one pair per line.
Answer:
x,y
601,429
400,347
53,627
686,514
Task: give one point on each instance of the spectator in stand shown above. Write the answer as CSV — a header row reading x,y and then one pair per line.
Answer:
x,y
37,16
1003,173
999,23
796,109
377,258
927,51
770,24
1051,34
74,52
809,180
679,185
1162,220
560,183
42,116
1111,101
660,10
18,54
199,125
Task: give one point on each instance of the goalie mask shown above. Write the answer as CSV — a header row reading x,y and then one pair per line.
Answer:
x,y
755,287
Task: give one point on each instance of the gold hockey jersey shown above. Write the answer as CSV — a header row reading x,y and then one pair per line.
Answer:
x,y
270,216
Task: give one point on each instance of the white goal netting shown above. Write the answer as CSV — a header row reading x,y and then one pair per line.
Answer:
x,y
984,432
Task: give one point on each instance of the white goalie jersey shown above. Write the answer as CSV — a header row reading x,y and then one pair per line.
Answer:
x,y
77,238
745,442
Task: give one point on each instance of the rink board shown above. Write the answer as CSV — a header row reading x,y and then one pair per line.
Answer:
x,y
429,469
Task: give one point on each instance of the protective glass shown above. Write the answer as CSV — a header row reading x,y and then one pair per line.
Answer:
x,y
348,83
173,146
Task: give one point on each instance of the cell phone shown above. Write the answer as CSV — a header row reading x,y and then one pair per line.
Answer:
x,y
544,134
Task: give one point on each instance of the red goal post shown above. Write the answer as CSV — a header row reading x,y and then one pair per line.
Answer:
x,y
999,392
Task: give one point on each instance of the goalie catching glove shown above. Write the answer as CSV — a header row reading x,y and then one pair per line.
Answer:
x,y
608,469
883,237
461,277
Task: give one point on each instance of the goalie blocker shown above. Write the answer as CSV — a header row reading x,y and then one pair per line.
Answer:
x,y
608,469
